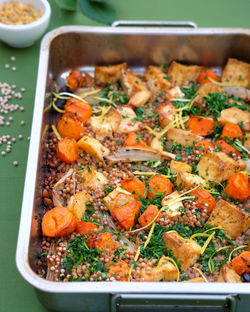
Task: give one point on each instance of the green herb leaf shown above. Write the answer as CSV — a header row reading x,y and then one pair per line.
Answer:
x,y
69,5
98,10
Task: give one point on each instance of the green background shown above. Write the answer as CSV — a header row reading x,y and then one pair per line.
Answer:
x,y
15,293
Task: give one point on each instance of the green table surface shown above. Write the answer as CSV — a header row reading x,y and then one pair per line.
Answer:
x,y
15,293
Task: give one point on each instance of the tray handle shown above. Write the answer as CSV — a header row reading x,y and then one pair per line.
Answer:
x,y
155,23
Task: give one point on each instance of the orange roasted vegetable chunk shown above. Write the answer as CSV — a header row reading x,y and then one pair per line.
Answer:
x,y
74,80
125,215
78,109
159,184
231,130
203,199
58,222
134,140
201,125
104,241
241,263
69,127
67,150
120,270
238,186
86,228
134,186
204,77
148,215
203,146
227,148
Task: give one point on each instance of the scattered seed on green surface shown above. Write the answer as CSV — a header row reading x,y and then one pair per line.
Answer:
x,y
3,153
22,122
15,163
13,58
13,68
7,66
20,137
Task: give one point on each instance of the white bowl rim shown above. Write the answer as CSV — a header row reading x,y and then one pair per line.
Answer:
x,y
38,22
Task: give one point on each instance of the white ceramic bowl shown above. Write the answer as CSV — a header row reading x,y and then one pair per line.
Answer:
x,y
21,36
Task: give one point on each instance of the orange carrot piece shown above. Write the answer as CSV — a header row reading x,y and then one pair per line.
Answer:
x,y
58,222
69,127
227,148
119,269
134,186
78,109
125,215
203,146
159,184
74,80
204,77
231,130
67,150
103,241
241,263
148,215
134,140
201,125
238,186
203,199
86,228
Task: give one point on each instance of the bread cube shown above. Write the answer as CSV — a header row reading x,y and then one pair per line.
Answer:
x,y
183,74
188,180
229,217
77,204
235,115
187,251
166,113
93,179
131,83
174,208
111,74
178,166
247,141
183,137
218,166
164,272
140,98
93,147
237,73
228,275
117,198
205,89
127,124
174,93
156,80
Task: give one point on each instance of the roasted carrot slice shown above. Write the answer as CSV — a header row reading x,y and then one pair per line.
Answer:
x,y
74,80
134,186
78,109
125,215
104,241
67,150
203,199
148,215
134,140
159,184
86,228
201,125
58,222
238,186
204,77
69,127
119,269
241,263
231,130
227,148
203,146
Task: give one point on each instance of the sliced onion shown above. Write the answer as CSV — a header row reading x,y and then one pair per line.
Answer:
x,y
82,92
56,198
247,162
238,91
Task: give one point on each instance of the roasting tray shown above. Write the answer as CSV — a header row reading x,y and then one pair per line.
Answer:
x,y
67,48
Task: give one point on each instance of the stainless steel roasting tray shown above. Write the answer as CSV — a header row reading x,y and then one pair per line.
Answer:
x,y
84,47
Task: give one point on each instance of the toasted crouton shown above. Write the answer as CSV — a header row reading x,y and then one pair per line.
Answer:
x,y
204,89
156,80
235,115
183,137
77,204
228,275
218,166
187,251
163,272
187,180
174,93
106,125
237,73
93,179
173,208
183,74
167,113
178,166
127,124
117,198
157,144
140,98
131,83
111,74
195,280
247,141
229,217
93,147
